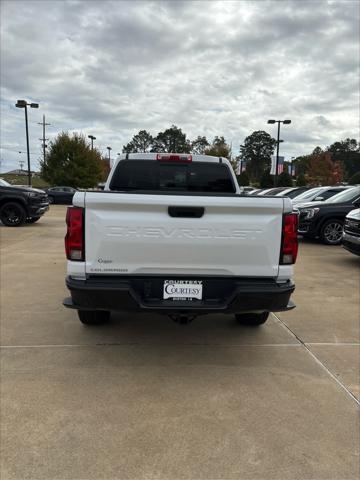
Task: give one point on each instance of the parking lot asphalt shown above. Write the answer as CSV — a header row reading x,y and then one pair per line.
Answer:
x,y
144,398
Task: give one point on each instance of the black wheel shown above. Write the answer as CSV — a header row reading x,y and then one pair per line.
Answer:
x,y
331,232
253,319
51,199
32,219
12,214
93,317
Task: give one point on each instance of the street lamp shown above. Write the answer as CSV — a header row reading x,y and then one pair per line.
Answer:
x,y
25,104
278,141
109,150
92,138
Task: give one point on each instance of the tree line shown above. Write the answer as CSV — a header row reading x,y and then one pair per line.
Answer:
x,y
70,160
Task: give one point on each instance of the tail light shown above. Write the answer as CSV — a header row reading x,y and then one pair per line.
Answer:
x,y
289,244
174,158
74,238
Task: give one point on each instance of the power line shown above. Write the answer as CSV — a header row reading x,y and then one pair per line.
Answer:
x,y
16,150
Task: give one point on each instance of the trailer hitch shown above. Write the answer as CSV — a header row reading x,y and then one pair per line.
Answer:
x,y
182,318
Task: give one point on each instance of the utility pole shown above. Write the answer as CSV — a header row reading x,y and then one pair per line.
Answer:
x,y
43,139
21,163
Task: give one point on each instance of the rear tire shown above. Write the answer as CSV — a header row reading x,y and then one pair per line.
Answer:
x,y
12,214
93,317
252,319
331,232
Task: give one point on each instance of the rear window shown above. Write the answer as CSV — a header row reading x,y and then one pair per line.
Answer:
x,y
161,176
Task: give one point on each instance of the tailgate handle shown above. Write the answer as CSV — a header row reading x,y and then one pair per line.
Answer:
x,y
186,212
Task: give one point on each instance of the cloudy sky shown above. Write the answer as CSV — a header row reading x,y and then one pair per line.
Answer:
x,y
111,68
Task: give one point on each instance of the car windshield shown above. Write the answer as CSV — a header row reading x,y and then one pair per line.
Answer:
x,y
309,193
4,183
346,196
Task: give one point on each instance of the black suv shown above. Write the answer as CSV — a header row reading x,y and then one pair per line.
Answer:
x,y
21,204
325,220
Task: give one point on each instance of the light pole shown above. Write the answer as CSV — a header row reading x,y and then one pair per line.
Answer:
x,y
25,104
285,122
109,150
92,138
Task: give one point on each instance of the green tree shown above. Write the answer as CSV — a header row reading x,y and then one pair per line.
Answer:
x,y
71,161
199,145
317,151
355,179
301,180
302,164
141,142
347,152
219,148
344,146
284,180
324,171
266,180
172,140
243,179
256,151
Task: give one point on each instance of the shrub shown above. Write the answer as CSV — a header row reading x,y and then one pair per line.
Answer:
x,y
301,181
243,179
266,180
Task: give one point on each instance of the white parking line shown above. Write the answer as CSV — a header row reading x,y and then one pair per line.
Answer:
x,y
157,344
333,344
319,362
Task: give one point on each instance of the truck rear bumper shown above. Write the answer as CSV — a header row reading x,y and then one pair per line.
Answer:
x,y
227,295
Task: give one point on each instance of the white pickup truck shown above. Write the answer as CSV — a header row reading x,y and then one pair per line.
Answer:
x,y
173,234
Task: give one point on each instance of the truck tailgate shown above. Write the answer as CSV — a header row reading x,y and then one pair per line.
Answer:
x,y
135,234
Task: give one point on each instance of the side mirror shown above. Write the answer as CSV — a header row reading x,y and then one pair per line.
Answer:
x,y
319,199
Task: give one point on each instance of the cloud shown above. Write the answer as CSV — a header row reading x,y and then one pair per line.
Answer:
x,y
212,68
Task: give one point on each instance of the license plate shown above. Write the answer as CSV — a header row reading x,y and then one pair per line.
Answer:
x,y
183,289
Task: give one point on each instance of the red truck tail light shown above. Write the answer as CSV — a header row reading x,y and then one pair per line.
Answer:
x,y
74,238
289,244
174,158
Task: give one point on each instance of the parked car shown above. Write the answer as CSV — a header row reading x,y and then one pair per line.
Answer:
x,y
62,195
351,233
171,233
247,189
325,219
318,194
292,192
264,191
19,205
274,191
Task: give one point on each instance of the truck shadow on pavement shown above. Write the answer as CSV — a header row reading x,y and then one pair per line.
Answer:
x,y
135,329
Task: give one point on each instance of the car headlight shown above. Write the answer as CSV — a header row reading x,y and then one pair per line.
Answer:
x,y
32,194
310,213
